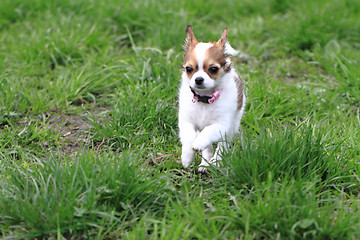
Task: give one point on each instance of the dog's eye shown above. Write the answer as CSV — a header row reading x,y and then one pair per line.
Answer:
x,y
189,70
213,70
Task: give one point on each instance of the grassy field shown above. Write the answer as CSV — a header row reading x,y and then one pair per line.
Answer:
x,y
88,121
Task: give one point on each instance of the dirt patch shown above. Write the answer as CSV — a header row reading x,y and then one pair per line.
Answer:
x,y
74,129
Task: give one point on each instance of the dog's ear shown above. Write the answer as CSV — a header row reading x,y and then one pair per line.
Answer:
x,y
190,38
223,40
224,44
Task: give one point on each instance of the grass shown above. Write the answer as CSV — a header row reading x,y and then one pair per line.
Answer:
x,y
88,121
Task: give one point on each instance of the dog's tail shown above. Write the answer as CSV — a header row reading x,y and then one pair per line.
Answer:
x,y
229,50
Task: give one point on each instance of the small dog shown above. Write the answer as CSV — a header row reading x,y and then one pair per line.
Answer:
x,y
211,99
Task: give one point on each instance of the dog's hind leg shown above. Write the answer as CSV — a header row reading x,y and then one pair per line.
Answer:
x,y
220,149
207,154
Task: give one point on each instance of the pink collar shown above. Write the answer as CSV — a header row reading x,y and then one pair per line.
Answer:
x,y
206,99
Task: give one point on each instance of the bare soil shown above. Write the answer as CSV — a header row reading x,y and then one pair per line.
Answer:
x,y
73,129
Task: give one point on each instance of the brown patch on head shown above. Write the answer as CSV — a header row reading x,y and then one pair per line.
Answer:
x,y
214,61
240,91
190,56
215,57
191,64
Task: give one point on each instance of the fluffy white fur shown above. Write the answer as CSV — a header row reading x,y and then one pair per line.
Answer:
x,y
203,124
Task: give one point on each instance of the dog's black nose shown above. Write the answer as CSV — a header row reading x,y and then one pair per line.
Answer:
x,y
199,80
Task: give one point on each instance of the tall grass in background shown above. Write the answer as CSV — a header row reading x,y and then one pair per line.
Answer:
x,y
292,173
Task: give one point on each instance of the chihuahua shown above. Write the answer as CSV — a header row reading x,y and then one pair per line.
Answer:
x,y
211,99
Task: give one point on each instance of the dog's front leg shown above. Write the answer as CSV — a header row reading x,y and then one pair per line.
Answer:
x,y
210,134
187,137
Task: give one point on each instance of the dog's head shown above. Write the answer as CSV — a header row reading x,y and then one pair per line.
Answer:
x,y
206,63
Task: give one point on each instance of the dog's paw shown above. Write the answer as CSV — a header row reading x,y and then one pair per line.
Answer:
x,y
187,158
203,167
203,170
186,163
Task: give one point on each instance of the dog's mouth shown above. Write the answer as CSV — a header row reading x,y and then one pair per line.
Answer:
x,y
201,90
199,87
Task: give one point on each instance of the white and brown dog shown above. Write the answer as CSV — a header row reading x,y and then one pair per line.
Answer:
x,y
211,99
